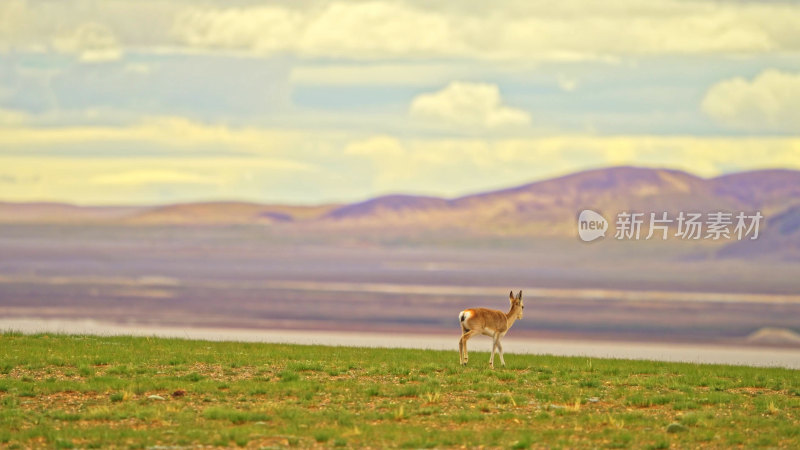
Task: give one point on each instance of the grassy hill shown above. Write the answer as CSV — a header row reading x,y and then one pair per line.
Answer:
x,y
99,392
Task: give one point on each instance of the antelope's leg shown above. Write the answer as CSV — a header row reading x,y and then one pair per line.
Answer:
x,y
460,351
494,346
500,352
463,342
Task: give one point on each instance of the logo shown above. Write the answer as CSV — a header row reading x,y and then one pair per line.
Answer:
x,y
635,226
591,225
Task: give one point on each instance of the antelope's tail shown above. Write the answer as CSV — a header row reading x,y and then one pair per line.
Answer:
x,y
463,316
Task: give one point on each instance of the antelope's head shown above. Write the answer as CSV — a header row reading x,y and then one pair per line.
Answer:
x,y
516,302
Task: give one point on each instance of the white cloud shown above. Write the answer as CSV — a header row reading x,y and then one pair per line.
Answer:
x,y
534,30
377,146
14,14
770,102
138,68
172,135
467,104
360,29
567,84
150,176
453,167
366,30
10,117
164,159
367,74
264,28
182,160
92,42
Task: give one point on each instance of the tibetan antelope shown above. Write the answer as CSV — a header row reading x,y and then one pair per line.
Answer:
x,y
490,322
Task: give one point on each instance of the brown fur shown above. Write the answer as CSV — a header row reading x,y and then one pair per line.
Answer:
x,y
492,323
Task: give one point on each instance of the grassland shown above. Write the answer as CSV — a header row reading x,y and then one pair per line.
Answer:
x,y
97,392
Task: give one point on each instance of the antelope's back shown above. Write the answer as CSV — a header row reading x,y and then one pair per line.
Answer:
x,y
477,318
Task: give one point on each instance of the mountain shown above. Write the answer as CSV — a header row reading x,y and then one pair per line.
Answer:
x,y
781,241
203,213
44,212
224,213
550,207
391,205
767,189
558,201
546,208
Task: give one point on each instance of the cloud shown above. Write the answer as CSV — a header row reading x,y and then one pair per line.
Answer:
x,y
138,68
14,15
7,179
166,159
150,176
566,84
172,159
397,30
377,146
147,179
363,30
92,42
265,29
538,30
456,166
770,102
465,104
369,74
177,134
10,117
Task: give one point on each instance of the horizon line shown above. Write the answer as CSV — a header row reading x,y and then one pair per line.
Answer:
x,y
343,202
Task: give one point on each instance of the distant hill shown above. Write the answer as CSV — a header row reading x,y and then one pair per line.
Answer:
x,y
222,213
389,205
780,242
546,208
766,189
63,213
203,213
557,201
550,207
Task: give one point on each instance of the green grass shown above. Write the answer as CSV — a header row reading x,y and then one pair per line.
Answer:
x,y
95,392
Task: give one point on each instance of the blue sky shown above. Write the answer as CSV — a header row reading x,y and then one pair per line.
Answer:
x,y
138,102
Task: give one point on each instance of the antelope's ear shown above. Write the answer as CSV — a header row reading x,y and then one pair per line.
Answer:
x,y
519,296
511,295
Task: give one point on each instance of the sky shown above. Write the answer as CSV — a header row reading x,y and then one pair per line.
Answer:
x,y
151,102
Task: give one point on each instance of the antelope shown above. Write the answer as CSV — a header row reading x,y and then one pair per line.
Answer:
x,y
492,323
